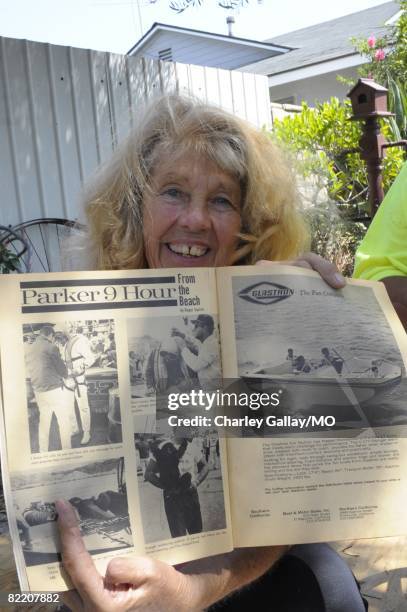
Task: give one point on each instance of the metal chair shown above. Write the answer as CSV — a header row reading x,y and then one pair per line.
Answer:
x,y
44,239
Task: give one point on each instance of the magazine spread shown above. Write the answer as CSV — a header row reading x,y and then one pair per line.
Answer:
x,y
100,372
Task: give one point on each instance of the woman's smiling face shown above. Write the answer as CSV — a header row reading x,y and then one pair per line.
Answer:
x,y
193,215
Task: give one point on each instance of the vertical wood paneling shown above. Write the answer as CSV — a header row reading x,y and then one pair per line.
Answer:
x,y
212,86
21,127
11,197
119,95
86,132
225,90
239,100
197,83
136,83
66,127
261,96
168,76
100,86
63,111
152,75
49,170
183,78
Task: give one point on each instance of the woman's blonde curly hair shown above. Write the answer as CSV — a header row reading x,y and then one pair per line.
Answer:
x,y
272,224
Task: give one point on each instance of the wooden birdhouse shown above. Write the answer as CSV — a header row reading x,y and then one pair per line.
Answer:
x,y
369,99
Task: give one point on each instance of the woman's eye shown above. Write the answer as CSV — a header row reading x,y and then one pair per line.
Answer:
x,y
221,203
173,193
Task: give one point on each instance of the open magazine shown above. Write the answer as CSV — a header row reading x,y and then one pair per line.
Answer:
x,y
310,448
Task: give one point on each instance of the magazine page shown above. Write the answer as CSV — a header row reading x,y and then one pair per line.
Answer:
x,y
325,458
84,357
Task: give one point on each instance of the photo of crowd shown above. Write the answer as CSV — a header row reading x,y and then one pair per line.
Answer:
x,y
173,354
72,385
180,484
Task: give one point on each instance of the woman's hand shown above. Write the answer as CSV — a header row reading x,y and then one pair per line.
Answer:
x,y
327,270
145,585
137,583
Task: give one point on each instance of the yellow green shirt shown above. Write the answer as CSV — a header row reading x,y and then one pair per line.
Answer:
x,y
383,251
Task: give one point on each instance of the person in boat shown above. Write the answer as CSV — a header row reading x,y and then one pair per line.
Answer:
x,y
335,360
290,356
300,364
192,186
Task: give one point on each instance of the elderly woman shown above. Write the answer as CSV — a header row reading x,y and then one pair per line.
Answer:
x,y
192,186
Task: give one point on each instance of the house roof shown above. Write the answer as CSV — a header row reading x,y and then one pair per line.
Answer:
x,y
191,46
326,41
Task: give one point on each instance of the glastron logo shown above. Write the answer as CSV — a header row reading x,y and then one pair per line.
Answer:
x,y
265,293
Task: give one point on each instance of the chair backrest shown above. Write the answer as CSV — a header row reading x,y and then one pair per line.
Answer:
x,y
45,239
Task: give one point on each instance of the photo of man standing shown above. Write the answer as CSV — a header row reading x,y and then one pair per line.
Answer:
x,y
79,357
47,371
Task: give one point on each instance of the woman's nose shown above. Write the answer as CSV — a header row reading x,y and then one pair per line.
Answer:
x,y
195,216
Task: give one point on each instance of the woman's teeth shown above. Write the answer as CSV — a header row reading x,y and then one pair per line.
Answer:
x,y
184,249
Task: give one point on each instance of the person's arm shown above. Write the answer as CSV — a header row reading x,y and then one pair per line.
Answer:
x,y
203,471
192,343
58,362
151,476
182,448
85,350
205,357
397,289
147,585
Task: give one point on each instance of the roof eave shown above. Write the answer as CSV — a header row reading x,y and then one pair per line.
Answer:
x,y
278,49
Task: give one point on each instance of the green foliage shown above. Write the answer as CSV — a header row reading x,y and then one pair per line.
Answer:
x,y
9,262
323,143
387,65
398,106
394,47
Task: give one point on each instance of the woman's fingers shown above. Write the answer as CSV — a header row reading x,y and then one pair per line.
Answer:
x,y
326,269
76,559
136,571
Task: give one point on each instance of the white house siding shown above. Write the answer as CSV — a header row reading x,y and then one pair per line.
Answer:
x,y
314,89
63,111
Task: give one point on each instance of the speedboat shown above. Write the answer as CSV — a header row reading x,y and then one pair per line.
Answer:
x,y
359,381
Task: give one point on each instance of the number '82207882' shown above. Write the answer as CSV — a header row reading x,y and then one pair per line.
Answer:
x,y
30,597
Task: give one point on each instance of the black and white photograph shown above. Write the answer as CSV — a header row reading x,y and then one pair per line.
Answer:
x,y
96,490
352,370
72,384
180,484
173,354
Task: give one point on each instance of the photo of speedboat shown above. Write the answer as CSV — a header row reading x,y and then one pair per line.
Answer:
x,y
331,381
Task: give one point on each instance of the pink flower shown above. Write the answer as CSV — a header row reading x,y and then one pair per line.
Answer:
x,y
380,55
371,41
